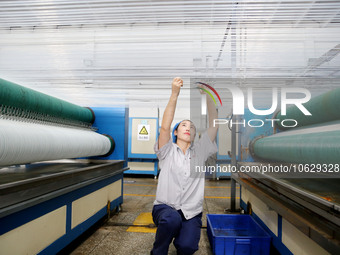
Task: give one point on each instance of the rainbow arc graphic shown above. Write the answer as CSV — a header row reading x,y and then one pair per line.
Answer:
x,y
209,93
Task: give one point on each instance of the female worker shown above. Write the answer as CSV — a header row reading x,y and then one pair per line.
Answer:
x,y
178,207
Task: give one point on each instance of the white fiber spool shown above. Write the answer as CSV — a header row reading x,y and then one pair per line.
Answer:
x,y
25,142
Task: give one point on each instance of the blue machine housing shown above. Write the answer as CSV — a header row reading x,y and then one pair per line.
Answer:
x,y
139,155
141,158
113,122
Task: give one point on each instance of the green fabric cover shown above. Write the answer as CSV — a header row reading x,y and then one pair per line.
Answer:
x,y
321,147
17,96
324,108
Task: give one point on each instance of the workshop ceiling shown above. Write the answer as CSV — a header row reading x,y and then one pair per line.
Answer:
x,y
101,53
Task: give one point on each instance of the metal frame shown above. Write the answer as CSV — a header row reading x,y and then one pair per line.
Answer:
x,y
305,216
83,181
19,195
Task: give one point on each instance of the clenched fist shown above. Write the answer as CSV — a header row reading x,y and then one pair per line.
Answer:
x,y
177,83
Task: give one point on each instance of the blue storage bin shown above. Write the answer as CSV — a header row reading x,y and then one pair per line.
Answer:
x,y
237,234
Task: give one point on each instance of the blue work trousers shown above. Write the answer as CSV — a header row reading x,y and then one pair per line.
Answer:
x,y
171,224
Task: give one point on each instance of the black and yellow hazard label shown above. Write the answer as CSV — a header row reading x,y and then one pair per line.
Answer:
x,y
143,131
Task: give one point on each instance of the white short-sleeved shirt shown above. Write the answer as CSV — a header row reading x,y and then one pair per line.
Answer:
x,y
180,185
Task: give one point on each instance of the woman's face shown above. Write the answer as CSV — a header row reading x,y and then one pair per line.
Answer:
x,y
186,131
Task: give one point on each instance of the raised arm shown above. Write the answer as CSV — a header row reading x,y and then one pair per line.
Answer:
x,y
169,113
212,114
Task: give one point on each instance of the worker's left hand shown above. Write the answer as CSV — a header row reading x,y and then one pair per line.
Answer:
x,y
201,87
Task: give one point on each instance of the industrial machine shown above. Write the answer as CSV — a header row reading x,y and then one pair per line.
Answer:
x,y
289,177
46,202
142,136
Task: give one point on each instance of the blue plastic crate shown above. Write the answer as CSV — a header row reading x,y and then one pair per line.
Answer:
x,y
237,234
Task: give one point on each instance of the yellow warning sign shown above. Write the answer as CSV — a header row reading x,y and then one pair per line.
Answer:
x,y
143,131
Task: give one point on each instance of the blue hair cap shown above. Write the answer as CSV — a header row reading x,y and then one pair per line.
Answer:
x,y
174,137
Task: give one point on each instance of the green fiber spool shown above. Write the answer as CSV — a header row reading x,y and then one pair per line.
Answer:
x,y
313,148
324,108
17,96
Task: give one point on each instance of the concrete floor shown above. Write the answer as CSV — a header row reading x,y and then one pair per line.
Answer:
x,y
115,236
